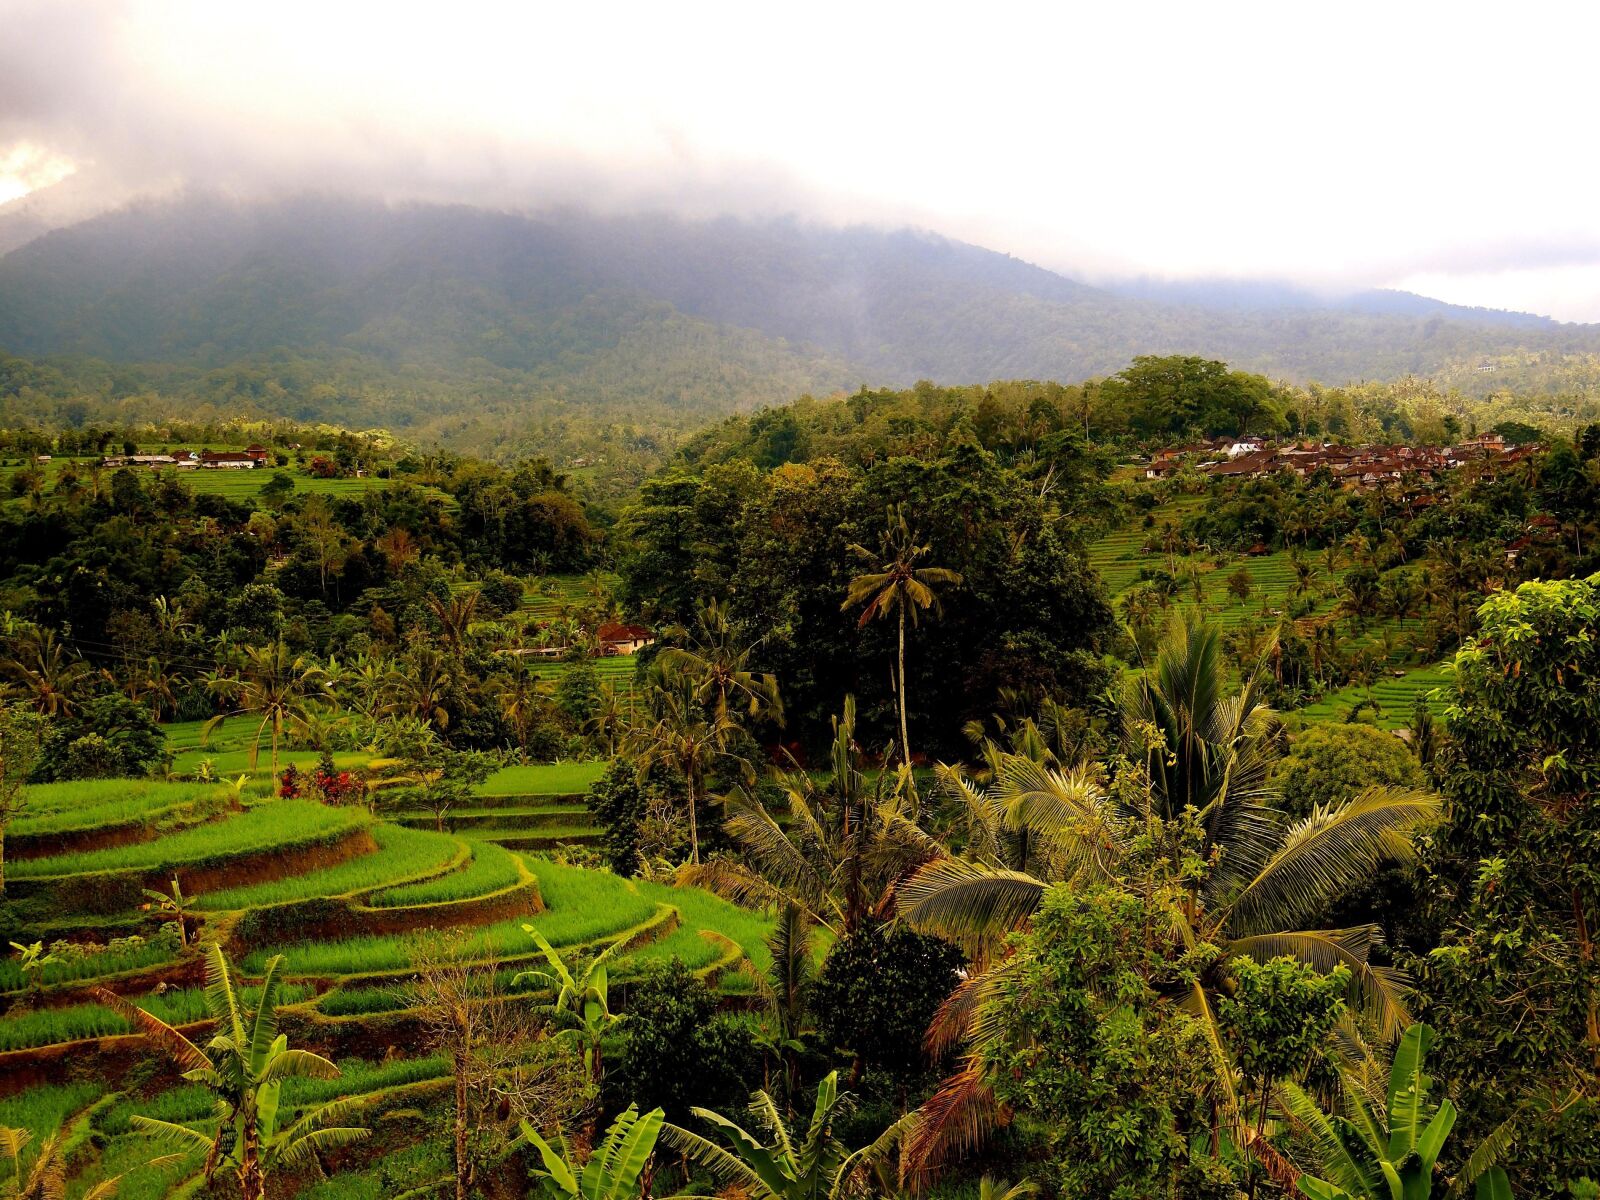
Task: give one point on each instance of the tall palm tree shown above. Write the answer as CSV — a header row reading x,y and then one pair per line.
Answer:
x,y
901,588
720,668
843,846
682,736
46,674
244,1066
270,682
1205,755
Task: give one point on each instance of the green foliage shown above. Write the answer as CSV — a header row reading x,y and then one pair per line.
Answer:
x,y
400,854
1087,1047
613,1169
1279,1015
1370,1155
491,869
1514,985
878,991
1330,764
618,801
677,1051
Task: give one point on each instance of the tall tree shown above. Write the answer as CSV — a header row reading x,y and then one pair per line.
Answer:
x,y
898,588
270,682
682,736
22,733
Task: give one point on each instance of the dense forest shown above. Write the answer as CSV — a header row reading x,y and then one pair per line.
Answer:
x,y
912,792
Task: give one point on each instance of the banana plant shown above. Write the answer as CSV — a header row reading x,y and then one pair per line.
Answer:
x,y
244,1066
613,1170
173,904
582,1004
815,1167
1390,1155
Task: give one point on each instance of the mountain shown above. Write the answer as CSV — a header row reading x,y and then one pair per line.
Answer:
x,y
472,324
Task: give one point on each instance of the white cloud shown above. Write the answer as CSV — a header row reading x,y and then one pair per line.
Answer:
x,y
1351,144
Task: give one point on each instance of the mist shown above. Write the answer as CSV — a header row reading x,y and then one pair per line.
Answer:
x,y
1336,147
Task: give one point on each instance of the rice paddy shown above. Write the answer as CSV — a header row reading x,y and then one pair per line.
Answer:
x,y
491,869
56,808
47,1026
402,854
281,823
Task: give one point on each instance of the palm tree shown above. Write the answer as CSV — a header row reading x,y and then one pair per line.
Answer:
x,y
844,845
46,1177
788,1166
899,587
455,616
688,740
720,668
46,674
272,683
1205,755
244,1065
786,992
418,687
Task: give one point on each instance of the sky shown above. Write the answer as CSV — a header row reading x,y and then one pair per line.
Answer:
x,y
1441,148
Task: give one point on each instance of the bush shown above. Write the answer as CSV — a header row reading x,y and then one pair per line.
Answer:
x,y
1329,764
109,736
677,1051
878,990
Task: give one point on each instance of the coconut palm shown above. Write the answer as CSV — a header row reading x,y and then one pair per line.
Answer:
x,y
1205,759
843,846
898,587
46,1177
788,1165
720,668
45,673
244,1066
270,682
682,736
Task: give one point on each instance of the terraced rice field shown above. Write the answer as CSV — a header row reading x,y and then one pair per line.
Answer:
x,y
61,808
1396,697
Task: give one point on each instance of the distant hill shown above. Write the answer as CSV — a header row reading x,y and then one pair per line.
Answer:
x,y
437,318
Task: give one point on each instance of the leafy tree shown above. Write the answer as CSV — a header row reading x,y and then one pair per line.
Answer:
x,y
1079,1037
676,1050
1328,764
244,1066
683,737
901,588
1514,984
22,734
879,990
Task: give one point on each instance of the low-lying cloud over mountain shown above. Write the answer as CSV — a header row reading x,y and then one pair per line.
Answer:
x,y
1370,147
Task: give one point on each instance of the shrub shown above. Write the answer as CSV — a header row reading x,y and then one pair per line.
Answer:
x,y
677,1051
1329,764
878,990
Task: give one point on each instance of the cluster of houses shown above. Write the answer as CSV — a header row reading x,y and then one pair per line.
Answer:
x,y
1353,466
612,638
249,458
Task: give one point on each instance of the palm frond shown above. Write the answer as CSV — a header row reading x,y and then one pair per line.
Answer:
x,y
1323,855
967,902
727,1168
185,1053
334,1138
951,1123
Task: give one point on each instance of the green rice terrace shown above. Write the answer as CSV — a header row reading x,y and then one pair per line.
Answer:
x,y
1271,588
343,896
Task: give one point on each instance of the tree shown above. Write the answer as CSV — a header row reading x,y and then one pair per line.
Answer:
x,y
787,1166
839,848
22,733
244,1066
47,675
686,739
1377,1156
720,668
879,990
581,1005
46,1177
487,1040
899,587
1514,874
1330,764
676,1050
272,683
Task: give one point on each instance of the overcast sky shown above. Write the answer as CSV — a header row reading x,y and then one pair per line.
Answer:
x,y
1445,148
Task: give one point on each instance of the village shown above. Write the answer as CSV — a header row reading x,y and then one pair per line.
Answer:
x,y
1355,467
